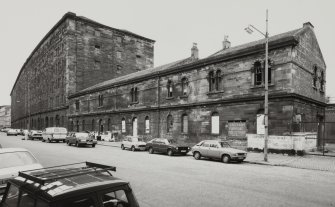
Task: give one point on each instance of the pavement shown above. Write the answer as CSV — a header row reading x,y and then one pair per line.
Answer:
x,y
310,162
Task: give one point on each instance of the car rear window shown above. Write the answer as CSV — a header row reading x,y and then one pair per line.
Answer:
x,y
82,135
13,159
60,130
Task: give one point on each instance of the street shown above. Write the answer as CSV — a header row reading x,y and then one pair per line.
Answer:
x,y
160,180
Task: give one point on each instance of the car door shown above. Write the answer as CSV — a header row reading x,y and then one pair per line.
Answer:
x,y
214,150
156,145
204,149
164,145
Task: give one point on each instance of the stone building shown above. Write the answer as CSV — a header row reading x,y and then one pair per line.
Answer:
x,y
220,96
75,54
5,116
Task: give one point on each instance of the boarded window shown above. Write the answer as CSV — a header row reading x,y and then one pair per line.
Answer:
x,y
260,124
185,124
215,123
237,129
123,125
169,123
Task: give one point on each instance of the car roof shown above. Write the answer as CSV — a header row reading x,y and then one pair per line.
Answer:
x,y
65,181
68,187
6,150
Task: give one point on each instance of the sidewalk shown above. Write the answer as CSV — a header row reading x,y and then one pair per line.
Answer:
x,y
311,162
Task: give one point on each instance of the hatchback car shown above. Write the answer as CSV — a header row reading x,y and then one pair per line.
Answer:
x,y
133,143
80,139
69,186
13,160
168,146
34,134
218,150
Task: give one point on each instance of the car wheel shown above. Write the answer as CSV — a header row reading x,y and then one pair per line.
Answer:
x,y
49,140
43,140
197,155
64,141
151,151
68,143
32,138
133,148
93,145
77,144
225,158
169,152
122,147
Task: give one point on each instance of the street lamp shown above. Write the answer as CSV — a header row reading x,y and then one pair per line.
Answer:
x,y
250,29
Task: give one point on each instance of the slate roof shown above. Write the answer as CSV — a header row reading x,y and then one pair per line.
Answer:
x,y
141,73
287,36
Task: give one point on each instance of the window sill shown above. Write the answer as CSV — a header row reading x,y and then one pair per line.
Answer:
x,y
183,96
262,86
134,103
169,98
215,92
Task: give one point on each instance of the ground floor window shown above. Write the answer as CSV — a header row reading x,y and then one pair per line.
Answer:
x,y
185,124
169,123
123,125
215,123
147,125
260,124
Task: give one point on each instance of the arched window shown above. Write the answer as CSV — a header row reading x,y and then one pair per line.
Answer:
x,y
211,81
184,125
169,87
218,83
123,125
184,86
169,123
83,125
92,125
147,125
215,123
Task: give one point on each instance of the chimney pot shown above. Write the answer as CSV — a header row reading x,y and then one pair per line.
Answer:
x,y
195,51
226,43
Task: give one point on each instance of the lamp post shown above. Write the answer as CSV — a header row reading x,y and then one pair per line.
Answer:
x,y
250,29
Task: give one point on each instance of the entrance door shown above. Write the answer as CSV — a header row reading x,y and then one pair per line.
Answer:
x,y
135,127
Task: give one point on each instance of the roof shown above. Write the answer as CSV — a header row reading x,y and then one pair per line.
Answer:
x,y
74,16
142,73
293,33
291,37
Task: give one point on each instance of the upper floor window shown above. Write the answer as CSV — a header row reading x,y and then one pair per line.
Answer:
x,y
77,105
169,87
315,76
134,95
259,73
184,86
215,80
218,79
101,100
211,80
322,82
118,54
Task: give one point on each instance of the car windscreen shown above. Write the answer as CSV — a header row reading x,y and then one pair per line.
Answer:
x,y
13,159
224,144
171,141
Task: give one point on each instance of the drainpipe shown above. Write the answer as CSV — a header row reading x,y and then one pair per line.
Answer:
x,y
158,104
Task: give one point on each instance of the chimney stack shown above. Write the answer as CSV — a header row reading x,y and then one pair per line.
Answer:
x,y
308,24
195,51
226,43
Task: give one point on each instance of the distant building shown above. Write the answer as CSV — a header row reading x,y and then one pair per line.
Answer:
x,y
75,54
5,113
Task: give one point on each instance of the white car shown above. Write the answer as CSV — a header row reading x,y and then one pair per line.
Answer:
x,y
107,136
133,143
13,160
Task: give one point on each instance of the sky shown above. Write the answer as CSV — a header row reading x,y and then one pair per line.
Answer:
x,y
174,24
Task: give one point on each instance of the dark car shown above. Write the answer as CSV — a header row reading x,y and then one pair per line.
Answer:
x,y
168,146
80,139
69,186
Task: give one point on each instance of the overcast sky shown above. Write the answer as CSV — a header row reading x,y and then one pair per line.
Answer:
x,y
174,24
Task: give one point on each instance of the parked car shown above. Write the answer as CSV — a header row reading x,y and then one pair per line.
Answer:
x,y
34,134
13,160
133,143
80,139
20,132
216,149
11,132
69,186
5,129
56,134
168,146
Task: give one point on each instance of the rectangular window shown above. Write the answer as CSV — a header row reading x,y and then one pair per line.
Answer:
x,y
101,100
147,125
185,124
123,126
77,105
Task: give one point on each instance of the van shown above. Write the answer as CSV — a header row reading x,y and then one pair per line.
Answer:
x,y
54,134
